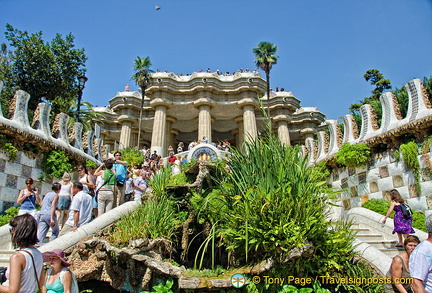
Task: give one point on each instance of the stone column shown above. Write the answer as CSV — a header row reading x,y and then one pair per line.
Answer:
x,y
249,123
204,122
125,133
283,132
159,130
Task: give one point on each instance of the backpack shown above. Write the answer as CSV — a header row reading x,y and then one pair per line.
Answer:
x,y
406,210
74,286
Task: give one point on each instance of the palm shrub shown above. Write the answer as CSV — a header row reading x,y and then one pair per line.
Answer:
x,y
132,156
353,155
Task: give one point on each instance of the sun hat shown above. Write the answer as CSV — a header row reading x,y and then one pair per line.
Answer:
x,y
56,253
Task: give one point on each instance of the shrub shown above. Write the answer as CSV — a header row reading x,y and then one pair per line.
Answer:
x,y
353,155
55,163
8,215
410,152
132,156
8,147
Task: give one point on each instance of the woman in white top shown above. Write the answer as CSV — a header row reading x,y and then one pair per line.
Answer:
x,y
25,264
85,179
65,198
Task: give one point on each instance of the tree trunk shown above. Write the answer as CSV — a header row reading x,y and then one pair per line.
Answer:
x,y
268,92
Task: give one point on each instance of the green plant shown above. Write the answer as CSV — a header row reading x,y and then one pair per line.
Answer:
x,y
160,181
8,147
353,155
132,156
91,164
155,218
410,155
8,215
55,163
162,288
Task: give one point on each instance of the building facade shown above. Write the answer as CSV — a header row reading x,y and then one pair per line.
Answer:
x,y
218,107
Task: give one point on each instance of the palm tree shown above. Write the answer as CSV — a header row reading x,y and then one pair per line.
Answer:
x,y
142,78
265,57
87,116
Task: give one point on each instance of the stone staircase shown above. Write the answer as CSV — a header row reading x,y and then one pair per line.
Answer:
x,y
382,242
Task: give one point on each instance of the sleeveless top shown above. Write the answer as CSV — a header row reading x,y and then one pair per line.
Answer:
x,y
56,287
65,189
29,203
84,180
405,275
28,278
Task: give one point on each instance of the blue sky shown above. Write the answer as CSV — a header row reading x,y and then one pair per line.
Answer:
x,y
325,46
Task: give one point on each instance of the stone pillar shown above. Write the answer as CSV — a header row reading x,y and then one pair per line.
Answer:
x,y
204,123
125,134
249,123
283,132
159,130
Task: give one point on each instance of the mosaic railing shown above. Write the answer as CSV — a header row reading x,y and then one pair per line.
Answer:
x,y
45,136
417,121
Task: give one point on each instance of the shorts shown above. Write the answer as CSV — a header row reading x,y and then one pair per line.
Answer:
x,y
64,202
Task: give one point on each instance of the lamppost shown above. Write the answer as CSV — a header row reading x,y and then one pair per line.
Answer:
x,y
81,85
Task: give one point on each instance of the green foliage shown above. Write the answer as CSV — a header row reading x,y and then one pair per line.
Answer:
x,y
210,206
8,147
132,156
381,207
353,155
55,163
162,288
160,181
46,70
178,179
8,215
402,98
91,163
155,218
410,155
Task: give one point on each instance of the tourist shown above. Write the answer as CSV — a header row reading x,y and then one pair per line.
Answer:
x,y
205,139
129,187
28,198
127,88
140,187
399,269
85,179
170,149
92,190
171,158
192,145
25,264
180,147
58,278
107,179
80,211
136,172
420,262
65,198
120,168
175,167
146,172
48,216
402,224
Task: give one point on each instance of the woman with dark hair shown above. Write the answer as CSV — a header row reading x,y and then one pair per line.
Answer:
x,y
402,224
85,179
28,198
399,269
25,264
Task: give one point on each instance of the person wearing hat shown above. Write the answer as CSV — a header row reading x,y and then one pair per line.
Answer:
x,y
420,262
58,278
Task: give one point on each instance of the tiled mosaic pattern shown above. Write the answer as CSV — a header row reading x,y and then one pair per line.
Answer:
x,y
377,179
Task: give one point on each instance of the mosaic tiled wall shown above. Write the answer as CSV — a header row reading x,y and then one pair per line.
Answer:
x,y
377,179
13,175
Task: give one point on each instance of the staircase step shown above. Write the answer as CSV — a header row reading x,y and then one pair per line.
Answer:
x,y
372,237
382,244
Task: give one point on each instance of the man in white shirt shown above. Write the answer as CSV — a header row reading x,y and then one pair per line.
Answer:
x,y
420,262
140,185
80,211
